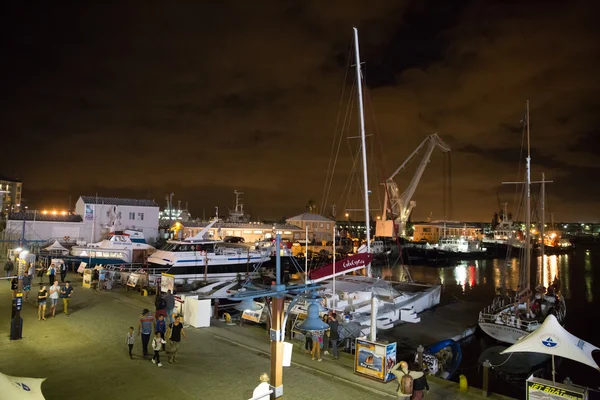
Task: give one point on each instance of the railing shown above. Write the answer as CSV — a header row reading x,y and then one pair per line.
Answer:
x,y
508,319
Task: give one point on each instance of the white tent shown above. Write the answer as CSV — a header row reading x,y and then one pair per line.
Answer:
x,y
56,248
551,338
18,388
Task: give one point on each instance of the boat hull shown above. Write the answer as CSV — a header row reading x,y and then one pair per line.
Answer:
x,y
502,333
450,369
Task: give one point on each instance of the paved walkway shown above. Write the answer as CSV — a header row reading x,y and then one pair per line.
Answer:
x,y
85,356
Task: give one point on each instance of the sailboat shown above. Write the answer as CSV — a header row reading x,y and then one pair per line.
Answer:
x,y
352,296
508,322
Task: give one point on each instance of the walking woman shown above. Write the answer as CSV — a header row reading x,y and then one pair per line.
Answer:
x,y
42,296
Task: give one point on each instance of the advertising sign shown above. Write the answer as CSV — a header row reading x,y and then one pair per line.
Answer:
x,y
251,315
390,361
89,212
132,280
369,359
541,389
167,282
352,263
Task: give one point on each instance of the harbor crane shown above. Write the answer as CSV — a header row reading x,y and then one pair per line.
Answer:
x,y
397,207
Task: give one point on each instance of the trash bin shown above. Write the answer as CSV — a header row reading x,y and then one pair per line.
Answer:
x,y
287,354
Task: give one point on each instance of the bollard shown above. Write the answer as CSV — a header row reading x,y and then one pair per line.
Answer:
x,y
463,384
144,292
420,350
486,376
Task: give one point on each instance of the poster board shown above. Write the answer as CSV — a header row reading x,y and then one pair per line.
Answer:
x,y
87,278
251,315
541,389
132,280
375,360
167,282
81,267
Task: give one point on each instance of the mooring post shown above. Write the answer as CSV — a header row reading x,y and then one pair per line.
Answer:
x,y
486,378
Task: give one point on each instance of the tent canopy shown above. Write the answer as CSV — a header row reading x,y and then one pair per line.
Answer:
x,y
551,338
56,247
17,388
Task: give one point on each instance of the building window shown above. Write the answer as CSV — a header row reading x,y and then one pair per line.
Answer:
x,y
426,229
322,225
328,226
314,225
141,216
131,215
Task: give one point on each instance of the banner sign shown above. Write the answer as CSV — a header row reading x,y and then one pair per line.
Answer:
x,y
369,359
89,212
541,389
132,280
251,315
352,263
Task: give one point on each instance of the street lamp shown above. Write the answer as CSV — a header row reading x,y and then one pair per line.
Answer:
x,y
277,292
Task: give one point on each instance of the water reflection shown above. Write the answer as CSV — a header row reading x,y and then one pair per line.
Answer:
x,y
587,265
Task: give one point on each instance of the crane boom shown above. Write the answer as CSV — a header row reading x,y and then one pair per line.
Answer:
x,y
397,207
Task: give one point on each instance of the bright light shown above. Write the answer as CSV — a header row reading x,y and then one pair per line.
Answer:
x,y
347,215
44,212
23,253
18,249
378,217
63,213
54,212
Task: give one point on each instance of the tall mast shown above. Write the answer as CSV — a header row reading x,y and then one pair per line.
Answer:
x,y
361,118
542,229
528,209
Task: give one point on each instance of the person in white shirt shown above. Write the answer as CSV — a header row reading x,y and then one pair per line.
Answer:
x,y
157,343
54,292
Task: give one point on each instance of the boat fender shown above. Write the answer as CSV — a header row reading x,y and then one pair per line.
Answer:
x,y
463,384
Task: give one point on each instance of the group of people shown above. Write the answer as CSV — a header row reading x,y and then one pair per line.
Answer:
x,y
162,328
328,339
53,294
412,383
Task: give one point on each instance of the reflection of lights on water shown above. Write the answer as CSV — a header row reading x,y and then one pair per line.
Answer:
x,y
441,275
460,275
587,265
563,261
472,275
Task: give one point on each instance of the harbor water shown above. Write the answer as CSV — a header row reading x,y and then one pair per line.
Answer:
x,y
479,281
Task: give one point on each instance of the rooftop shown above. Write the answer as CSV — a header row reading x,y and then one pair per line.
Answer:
x,y
117,201
31,216
309,217
239,225
9,179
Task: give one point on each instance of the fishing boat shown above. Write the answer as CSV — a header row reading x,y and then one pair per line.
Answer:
x,y
121,247
508,321
442,358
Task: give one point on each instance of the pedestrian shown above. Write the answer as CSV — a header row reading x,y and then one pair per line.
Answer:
x,y
326,336
42,296
27,285
316,350
51,272
157,344
54,293
65,293
308,343
334,335
41,271
145,329
14,286
174,336
160,305
63,272
170,305
95,279
161,327
129,341
9,267
420,385
31,271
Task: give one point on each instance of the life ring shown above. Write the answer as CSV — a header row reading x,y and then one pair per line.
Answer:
x,y
66,238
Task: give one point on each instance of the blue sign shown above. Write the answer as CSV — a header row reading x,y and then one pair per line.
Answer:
x,y
550,343
24,386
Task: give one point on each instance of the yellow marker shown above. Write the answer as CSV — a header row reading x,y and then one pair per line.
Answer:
x,y
464,386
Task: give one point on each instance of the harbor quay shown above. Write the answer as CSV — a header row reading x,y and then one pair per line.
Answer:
x,y
85,356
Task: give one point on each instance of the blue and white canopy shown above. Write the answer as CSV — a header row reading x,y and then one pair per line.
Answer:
x,y
20,388
551,338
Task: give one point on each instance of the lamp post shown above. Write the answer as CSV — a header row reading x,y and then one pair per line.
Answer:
x,y
277,292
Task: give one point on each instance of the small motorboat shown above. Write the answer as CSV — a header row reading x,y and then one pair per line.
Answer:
x,y
442,358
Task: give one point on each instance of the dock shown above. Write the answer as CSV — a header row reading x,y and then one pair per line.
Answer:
x,y
452,321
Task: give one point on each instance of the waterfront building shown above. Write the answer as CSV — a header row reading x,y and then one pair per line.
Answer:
x,y
10,194
320,228
101,215
431,232
251,232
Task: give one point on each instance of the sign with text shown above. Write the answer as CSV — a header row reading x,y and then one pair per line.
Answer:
x,y
370,359
541,389
167,282
352,263
252,315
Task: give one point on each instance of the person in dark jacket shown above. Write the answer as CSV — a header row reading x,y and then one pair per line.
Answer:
x,y
420,385
334,335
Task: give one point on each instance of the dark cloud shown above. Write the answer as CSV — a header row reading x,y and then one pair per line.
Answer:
x,y
203,98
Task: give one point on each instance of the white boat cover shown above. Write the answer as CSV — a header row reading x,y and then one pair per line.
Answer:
x,y
551,338
55,247
18,388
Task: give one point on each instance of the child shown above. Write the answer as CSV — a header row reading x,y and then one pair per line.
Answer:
x,y
157,344
161,327
129,341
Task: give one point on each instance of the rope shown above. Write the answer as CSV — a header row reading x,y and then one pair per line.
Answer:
x,y
505,361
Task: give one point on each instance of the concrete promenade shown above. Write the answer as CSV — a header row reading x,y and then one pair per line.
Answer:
x,y
84,356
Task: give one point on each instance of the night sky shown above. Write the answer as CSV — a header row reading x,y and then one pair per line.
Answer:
x,y
139,99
